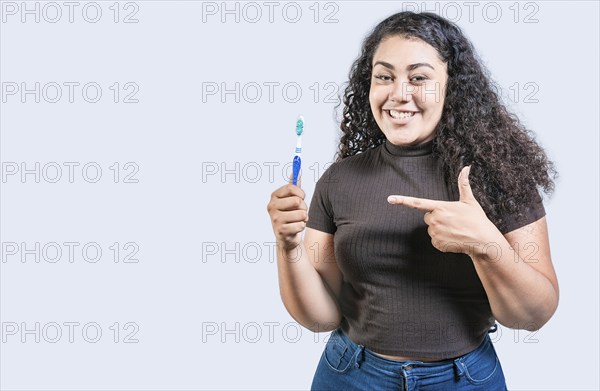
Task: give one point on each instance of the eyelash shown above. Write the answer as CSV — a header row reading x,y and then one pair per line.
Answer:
x,y
383,77
389,78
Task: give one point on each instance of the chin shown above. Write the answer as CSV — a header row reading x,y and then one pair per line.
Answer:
x,y
404,136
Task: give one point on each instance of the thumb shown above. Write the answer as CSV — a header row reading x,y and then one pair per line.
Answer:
x,y
464,187
299,180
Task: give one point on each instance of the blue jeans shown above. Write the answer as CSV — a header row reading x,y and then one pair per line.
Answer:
x,y
345,365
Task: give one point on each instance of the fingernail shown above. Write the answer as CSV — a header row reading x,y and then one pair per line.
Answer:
x,y
392,199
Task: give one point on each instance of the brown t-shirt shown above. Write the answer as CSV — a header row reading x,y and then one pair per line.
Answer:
x,y
400,295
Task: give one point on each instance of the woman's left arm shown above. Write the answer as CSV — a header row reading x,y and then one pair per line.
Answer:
x,y
515,268
519,279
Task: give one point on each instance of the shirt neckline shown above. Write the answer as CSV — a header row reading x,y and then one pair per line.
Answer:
x,y
422,149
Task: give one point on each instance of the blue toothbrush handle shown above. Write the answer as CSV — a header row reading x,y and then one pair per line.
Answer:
x,y
296,169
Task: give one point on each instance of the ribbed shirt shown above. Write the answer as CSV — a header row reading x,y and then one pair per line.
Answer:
x,y
400,295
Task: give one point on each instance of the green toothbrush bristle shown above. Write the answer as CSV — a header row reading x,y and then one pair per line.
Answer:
x,y
299,126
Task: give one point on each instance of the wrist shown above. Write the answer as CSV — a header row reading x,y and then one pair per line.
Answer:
x,y
488,249
289,249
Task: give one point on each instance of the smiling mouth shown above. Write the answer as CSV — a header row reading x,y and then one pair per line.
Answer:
x,y
401,114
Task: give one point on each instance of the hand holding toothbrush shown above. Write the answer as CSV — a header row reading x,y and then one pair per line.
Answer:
x,y
287,208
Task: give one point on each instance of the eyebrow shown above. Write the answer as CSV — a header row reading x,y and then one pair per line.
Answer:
x,y
409,67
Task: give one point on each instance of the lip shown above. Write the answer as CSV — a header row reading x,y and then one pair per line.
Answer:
x,y
399,121
399,109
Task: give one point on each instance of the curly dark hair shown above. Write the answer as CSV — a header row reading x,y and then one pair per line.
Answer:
x,y
507,164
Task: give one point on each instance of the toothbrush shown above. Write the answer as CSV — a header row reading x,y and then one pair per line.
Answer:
x,y
297,161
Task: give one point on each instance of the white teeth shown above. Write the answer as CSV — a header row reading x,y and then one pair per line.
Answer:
x,y
401,114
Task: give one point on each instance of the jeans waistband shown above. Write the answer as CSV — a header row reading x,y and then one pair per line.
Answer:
x,y
361,355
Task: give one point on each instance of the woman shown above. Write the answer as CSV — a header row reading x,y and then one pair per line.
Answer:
x,y
428,228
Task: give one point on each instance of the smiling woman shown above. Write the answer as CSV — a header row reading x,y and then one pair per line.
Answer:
x,y
417,225
407,90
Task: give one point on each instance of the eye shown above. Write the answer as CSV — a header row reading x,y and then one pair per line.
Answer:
x,y
417,79
383,77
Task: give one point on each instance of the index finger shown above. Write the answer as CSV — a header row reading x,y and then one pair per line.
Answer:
x,y
423,204
288,190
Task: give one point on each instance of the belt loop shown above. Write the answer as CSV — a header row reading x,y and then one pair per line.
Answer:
x,y
360,355
459,366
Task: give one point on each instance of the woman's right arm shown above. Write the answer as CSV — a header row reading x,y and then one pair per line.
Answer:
x,y
309,279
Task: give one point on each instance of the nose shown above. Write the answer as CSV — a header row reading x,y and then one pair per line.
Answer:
x,y
402,91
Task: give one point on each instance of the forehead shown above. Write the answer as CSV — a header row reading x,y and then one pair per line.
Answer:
x,y
397,49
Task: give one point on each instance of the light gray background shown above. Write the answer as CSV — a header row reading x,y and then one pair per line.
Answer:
x,y
205,313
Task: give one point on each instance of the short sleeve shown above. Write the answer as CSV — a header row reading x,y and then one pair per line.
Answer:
x,y
533,212
320,211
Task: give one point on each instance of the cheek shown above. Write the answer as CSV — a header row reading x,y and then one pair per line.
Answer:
x,y
433,106
434,114
439,102
375,101
377,95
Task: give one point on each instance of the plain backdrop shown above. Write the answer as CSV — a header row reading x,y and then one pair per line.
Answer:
x,y
137,252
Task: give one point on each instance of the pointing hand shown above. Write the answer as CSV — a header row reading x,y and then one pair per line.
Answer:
x,y
454,226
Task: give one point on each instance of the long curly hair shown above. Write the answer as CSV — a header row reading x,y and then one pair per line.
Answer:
x,y
507,164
